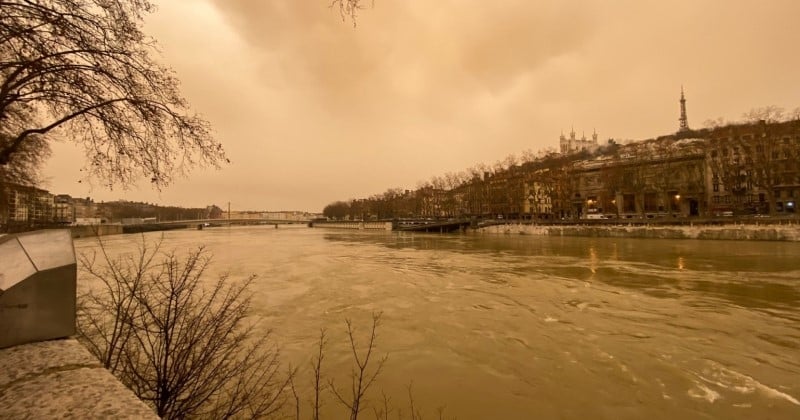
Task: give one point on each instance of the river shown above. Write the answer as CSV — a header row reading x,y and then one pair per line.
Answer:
x,y
520,326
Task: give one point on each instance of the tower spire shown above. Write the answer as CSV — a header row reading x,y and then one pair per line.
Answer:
x,y
684,124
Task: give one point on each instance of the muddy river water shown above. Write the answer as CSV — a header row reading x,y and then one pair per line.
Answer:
x,y
519,326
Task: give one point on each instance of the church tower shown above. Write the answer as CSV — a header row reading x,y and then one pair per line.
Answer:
x,y
684,124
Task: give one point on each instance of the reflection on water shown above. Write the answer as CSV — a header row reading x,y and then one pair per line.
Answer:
x,y
521,326
756,275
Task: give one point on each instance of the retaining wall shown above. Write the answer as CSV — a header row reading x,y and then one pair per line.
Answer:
x,y
95,230
729,232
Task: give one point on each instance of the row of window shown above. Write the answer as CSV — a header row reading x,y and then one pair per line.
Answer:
x,y
755,198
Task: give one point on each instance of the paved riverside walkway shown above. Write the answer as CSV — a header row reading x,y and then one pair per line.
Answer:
x,y
59,379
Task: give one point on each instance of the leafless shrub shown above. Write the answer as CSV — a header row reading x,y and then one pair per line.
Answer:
x,y
361,379
382,412
415,414
183,344
316,365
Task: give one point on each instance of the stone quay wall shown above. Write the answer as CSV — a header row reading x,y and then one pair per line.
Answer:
x,y
789,232
83,231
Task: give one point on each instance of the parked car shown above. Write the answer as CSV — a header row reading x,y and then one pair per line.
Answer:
x,y
595,216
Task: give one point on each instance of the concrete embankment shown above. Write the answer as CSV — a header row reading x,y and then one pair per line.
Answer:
x,y
60,379
728,232
95,230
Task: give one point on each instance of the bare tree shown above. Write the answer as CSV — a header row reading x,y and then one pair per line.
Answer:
x,y
546,152
185,349
361,379
498,166
85,70
316,366
714,122
510,161
768,114
24,168
795,114
528,156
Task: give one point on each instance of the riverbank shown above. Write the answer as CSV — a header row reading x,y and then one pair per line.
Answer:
x,y
789,232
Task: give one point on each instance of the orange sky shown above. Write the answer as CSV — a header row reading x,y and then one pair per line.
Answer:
x,y
312,110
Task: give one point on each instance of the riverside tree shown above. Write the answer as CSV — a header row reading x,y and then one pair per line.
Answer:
x,y
84,71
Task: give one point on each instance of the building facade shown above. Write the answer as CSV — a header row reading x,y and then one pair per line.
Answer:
x,y
25,207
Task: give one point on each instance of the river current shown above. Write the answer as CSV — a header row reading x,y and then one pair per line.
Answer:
x,y
519,326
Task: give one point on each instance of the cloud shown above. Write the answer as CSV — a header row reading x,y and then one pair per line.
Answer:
x,y
406,54
312,110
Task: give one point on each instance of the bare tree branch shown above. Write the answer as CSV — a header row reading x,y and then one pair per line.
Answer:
x,y
84,68
360,378
182,344
349,8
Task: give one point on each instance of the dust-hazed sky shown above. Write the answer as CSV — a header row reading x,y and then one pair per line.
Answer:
x,y
312,110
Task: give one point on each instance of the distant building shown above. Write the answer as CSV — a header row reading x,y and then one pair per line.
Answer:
x,y
537,200
662,177
753,168
294,216
64,209
84,208
25,206
572,144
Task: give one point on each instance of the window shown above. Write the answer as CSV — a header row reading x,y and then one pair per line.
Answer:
x,y
650,202
629,203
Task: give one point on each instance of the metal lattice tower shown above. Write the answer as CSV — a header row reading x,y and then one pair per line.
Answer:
x,y
684,124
